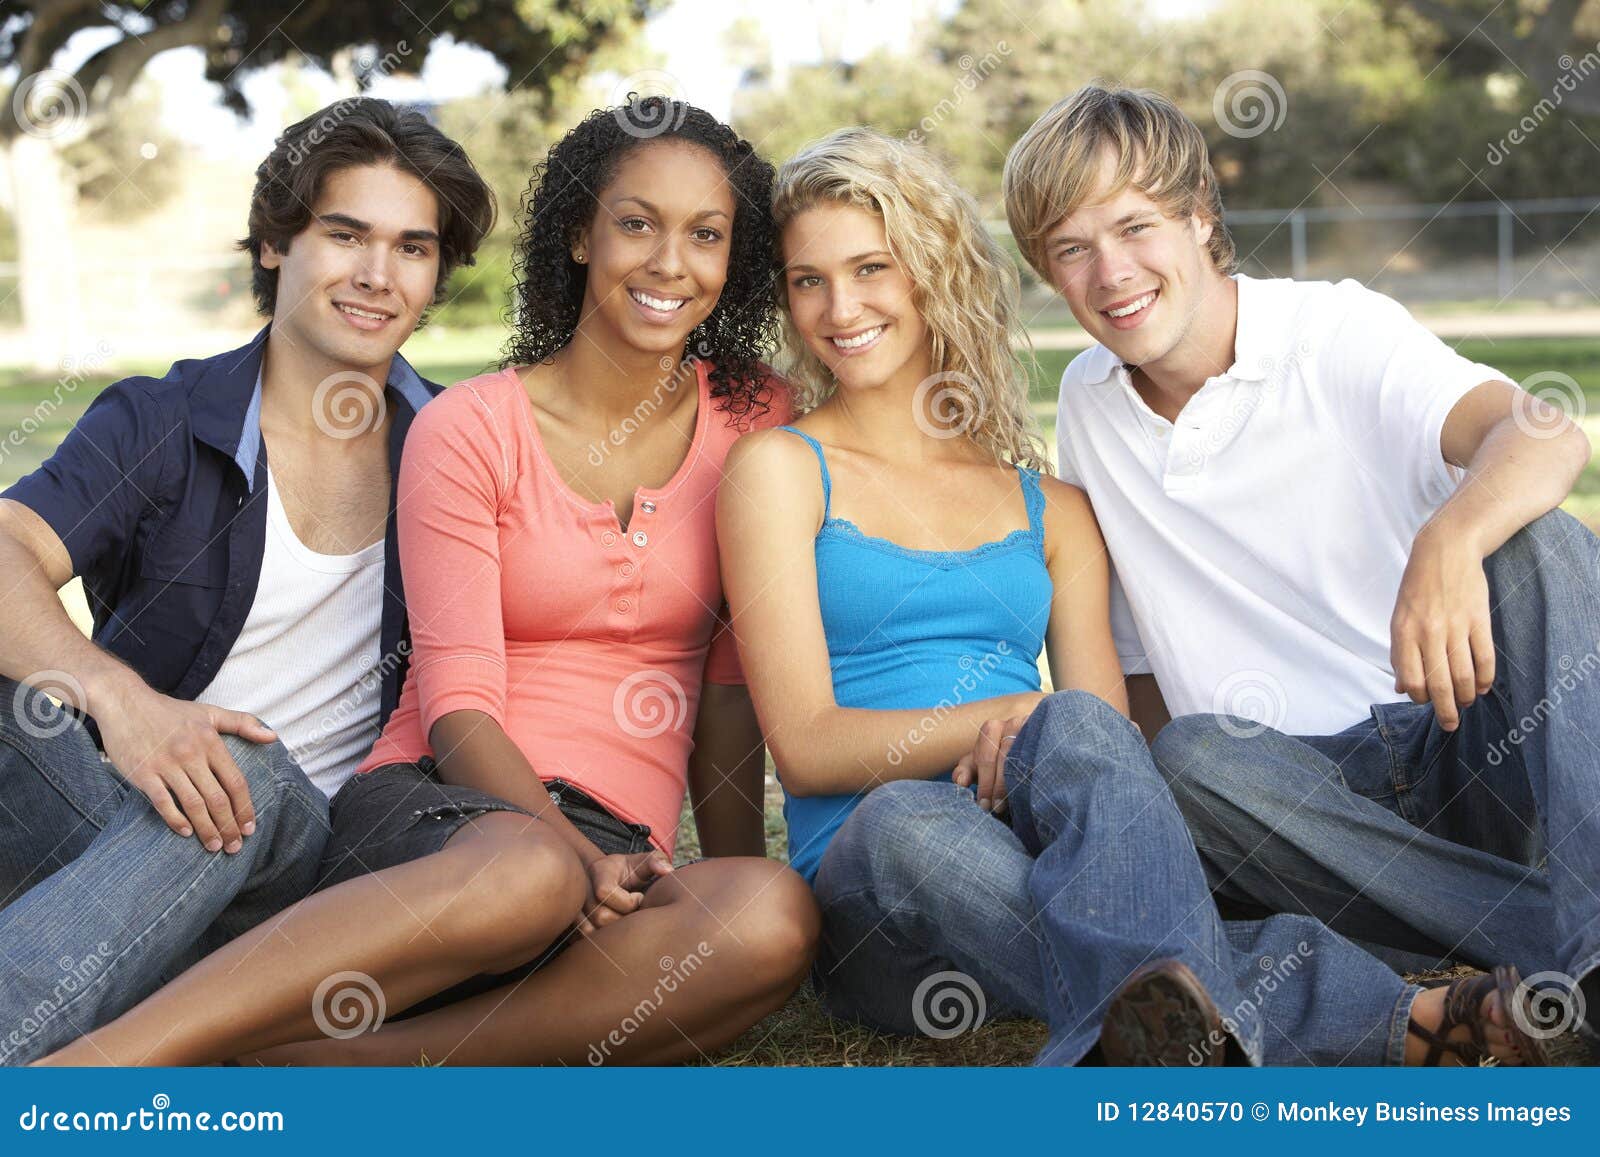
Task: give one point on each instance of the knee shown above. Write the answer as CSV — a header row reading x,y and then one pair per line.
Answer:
x,y
1075,722
517,894
1553,535
1193,749
765,916
1207,761
274,779
907,832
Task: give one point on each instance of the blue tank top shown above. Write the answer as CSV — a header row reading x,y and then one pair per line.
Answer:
x,y
922,630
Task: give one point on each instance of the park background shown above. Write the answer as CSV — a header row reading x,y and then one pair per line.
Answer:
x,y
1446,152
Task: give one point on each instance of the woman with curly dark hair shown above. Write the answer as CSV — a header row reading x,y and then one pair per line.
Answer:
x,y
510,883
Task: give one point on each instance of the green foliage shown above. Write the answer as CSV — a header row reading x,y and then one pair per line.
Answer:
x,y
1370,93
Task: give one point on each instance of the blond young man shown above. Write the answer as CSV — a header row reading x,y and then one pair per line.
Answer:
x,y
1343,567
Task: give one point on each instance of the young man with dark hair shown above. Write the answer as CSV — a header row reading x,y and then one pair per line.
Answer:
x,y
1316,508
233,524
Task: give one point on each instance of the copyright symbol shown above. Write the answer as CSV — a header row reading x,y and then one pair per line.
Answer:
x,y
1259,1111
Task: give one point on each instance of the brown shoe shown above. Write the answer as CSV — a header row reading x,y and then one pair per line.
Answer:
x,y
1162,1015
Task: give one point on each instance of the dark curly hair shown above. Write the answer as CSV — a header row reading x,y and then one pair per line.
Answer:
x,y
363,131
560,202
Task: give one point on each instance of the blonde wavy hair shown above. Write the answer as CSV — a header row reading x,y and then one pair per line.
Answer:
x,y
962,283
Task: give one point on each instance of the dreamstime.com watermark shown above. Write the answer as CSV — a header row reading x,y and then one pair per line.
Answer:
x,y
673,974
648,703
1273,973
947,1004
1249,103
74,372
1249,702
974,71
1573,672
76,975
348,1004
975,672
371,68
674,375
160,1117
338,715
1573,73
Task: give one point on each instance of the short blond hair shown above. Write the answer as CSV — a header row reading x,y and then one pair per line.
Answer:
x,y
1054,168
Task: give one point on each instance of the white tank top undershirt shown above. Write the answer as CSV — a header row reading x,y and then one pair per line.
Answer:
x,y
306,660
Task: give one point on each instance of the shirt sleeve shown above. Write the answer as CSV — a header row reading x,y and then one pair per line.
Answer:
x,y
453,476
103,477
1394,383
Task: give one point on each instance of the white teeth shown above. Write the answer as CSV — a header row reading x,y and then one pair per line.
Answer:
x,y
1133,306
861,339
665,305
365,313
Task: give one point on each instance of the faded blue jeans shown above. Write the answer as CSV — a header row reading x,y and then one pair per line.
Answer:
x,y
933,909
100,901
1481,845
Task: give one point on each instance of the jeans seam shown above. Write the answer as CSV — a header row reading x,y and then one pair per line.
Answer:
x,y
1400,1025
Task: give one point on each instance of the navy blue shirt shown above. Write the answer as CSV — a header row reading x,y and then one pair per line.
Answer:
x,y
159,494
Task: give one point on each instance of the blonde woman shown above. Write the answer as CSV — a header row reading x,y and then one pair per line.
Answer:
x,y
894,562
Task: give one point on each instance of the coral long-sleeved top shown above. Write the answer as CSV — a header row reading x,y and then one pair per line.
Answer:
x,y
586,643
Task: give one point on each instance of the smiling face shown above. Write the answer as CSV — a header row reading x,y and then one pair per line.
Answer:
x,y
850,300
657,249
1135,278
355,281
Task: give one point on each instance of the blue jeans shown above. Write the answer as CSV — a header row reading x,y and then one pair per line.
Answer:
x,y
932,906
101,902
1481,845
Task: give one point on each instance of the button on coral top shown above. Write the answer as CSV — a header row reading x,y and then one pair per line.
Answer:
x,y
587,644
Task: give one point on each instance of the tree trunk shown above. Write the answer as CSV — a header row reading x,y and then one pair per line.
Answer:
x,y
43,205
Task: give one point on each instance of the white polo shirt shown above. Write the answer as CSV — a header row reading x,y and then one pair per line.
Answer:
x,y
1260,539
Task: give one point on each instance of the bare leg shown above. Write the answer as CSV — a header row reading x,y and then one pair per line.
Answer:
x,y
715,947
501,890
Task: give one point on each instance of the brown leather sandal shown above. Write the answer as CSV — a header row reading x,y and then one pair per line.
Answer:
x,y
1463,1005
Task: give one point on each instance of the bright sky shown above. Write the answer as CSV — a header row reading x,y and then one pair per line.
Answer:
x,y
688,39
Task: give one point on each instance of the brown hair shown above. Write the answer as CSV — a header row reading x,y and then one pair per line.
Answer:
x,y
1053,169
363,131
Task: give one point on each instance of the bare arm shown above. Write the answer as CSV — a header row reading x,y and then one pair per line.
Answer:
x,y
728,772
1082,654
1521,458
169,749
1078,639
768,511
472,750
1146,707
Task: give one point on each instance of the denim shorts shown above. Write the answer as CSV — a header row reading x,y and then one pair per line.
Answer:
x,y
402,811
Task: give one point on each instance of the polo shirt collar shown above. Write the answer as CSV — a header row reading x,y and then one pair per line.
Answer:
x,y
225,409
1261,340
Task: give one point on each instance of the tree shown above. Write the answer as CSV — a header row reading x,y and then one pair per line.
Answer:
x,y
1541,40
540,43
